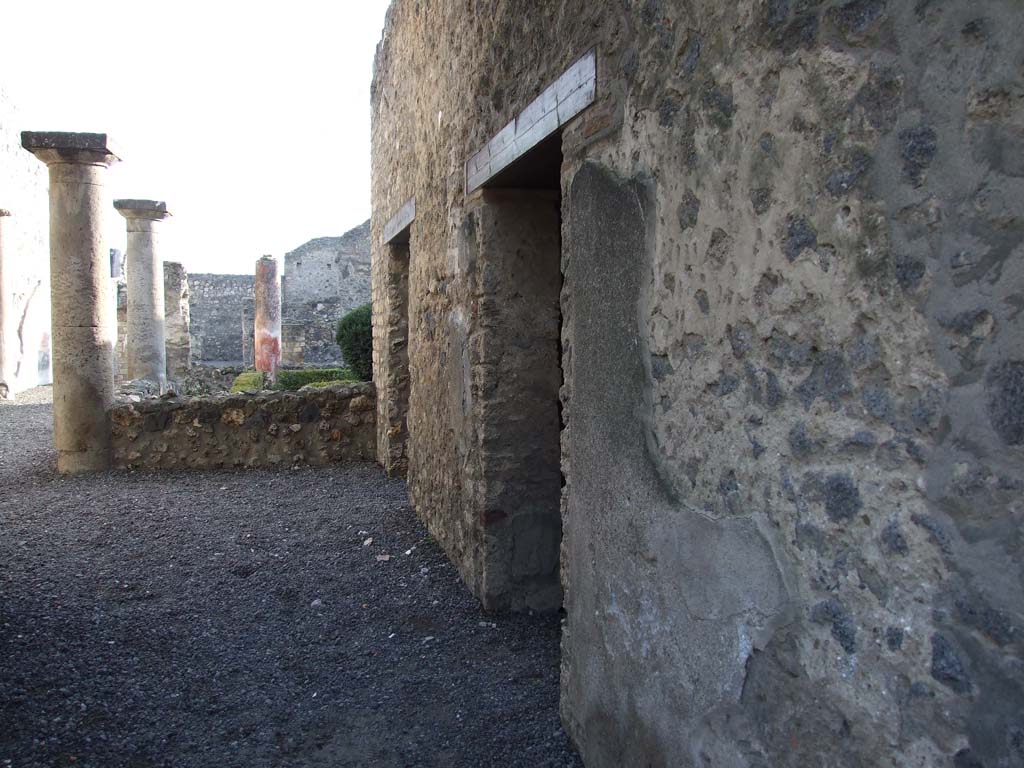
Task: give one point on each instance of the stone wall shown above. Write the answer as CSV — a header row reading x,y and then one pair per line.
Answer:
x,y
323,280
25,303
315,426
793,363
220,310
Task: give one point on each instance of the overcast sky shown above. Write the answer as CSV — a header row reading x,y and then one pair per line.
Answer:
x,y
251,120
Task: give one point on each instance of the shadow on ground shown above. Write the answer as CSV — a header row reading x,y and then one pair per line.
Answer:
x,y
271,618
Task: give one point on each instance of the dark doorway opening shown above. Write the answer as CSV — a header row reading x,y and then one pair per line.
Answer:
x,y
521,420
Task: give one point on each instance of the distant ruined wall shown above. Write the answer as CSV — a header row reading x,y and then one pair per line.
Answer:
x,y
309,427
220,311
323,280
26,303
793,445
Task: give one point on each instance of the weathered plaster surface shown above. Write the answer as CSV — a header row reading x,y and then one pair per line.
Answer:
x,y
793,356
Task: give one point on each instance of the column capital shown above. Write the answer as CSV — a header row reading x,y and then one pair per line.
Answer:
x,y
155,210
76,148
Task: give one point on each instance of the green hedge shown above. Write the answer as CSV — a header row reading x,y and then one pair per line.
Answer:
x,y
299,378
355,337
248,381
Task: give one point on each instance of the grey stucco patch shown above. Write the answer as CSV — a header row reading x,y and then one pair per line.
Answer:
x,y
624,515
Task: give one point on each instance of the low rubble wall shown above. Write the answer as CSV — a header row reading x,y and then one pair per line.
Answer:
x,y
266,429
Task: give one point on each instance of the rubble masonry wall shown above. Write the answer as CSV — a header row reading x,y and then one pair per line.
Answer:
x,y
793,356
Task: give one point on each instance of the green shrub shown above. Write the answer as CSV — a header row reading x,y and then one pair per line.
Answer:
x,y
299,378
248,381
355,337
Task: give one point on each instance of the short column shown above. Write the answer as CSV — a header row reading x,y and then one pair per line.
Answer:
x,y
268,317
8,323
144,272
83,325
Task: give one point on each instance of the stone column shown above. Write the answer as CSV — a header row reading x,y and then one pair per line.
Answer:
x,y
144,272
83,324
267,289
8,318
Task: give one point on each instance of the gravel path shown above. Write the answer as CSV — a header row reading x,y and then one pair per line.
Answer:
x,y
262,618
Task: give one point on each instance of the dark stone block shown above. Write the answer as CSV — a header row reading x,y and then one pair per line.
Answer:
x,y
309,413
773,393
909,271
799,236
718,104
842,498
1004,391
761,199
966,758
691,54
852,19
829,379
947,668
689,209
844,630
894,638
893,540
719,247
661,368
918,147
978,614
799,442
727,384
785,350
865,352
156,421
877,402
667,108
741,338
846,178
702,301
811,537
881,96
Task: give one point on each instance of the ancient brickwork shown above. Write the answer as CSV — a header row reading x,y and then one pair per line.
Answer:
x,y
314,427
220,309
25,303
792,355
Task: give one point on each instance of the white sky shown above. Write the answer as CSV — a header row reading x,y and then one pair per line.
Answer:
x,y
250,119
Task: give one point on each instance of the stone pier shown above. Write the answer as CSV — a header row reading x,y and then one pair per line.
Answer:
x,y
145,346
83,324
8,320
268,316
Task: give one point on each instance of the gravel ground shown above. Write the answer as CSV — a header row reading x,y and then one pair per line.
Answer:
x,y
262,618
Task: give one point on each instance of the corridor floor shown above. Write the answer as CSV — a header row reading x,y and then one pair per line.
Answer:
x,y
248,618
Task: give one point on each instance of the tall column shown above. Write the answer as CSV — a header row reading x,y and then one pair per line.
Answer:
x,y
83,325
268,316
8,322
144,272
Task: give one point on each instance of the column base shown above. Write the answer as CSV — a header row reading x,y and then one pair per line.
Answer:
x,y
82,462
